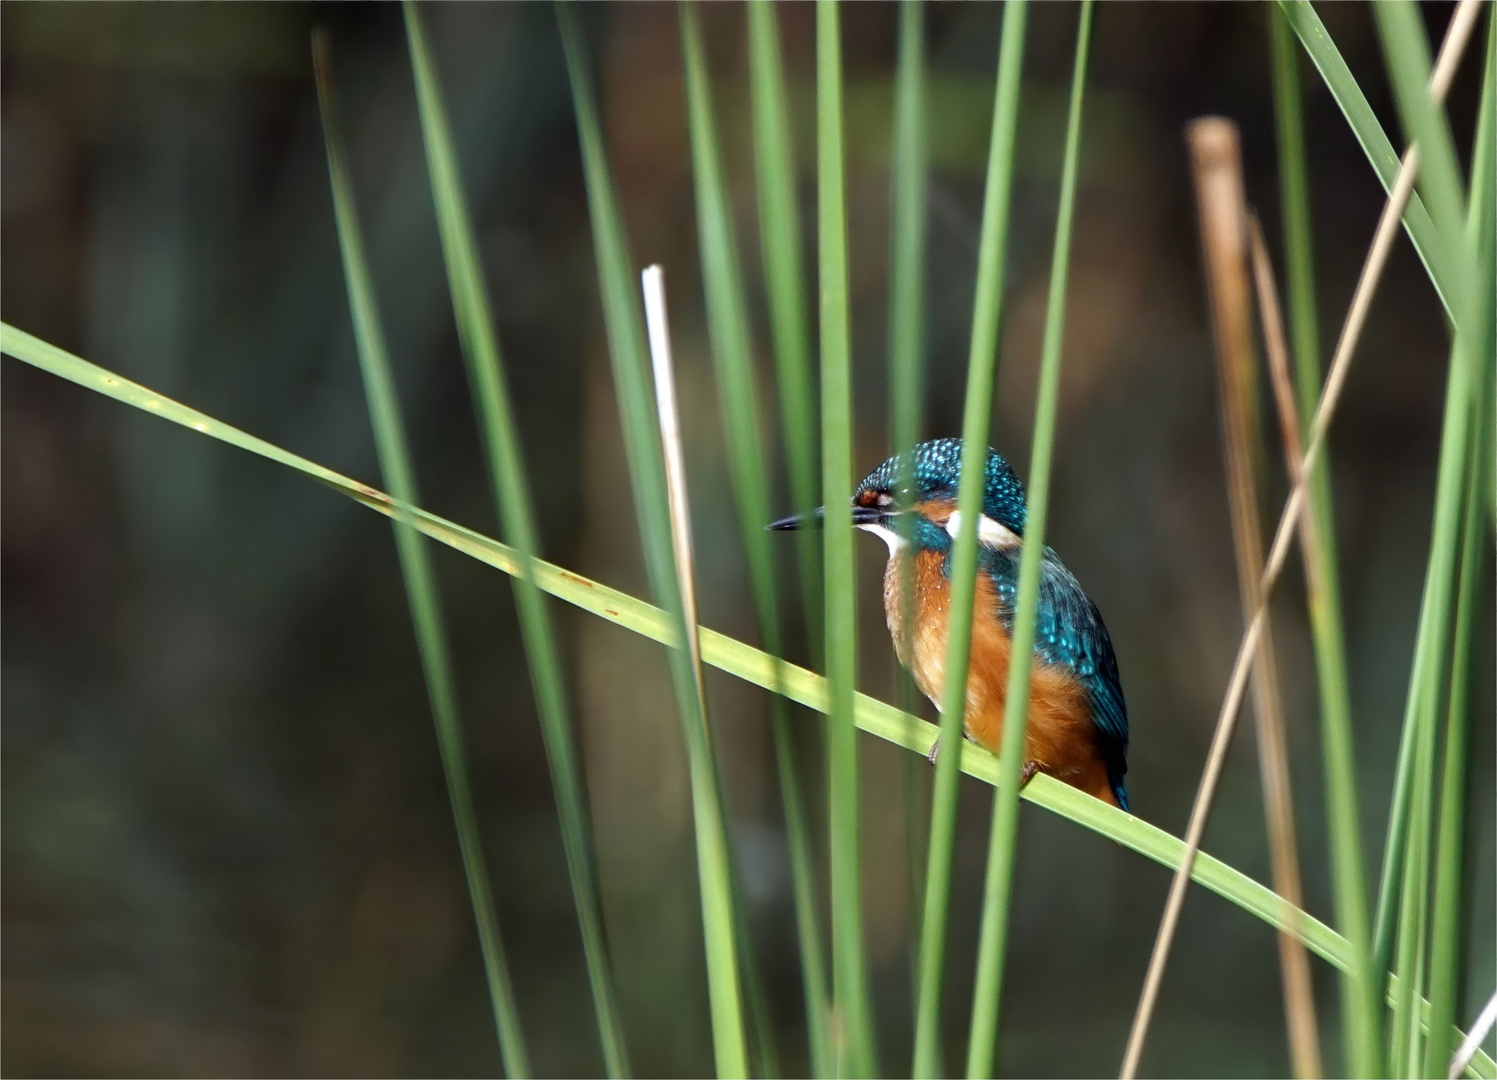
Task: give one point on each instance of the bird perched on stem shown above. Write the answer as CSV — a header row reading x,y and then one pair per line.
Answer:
x,y
1078,722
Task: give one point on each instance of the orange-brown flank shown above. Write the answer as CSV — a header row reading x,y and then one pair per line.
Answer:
x,y
1061,738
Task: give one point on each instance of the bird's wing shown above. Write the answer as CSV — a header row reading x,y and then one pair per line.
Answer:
x,y
1069,632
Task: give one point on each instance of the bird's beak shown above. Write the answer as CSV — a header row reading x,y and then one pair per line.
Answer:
x,y
799,521
861,515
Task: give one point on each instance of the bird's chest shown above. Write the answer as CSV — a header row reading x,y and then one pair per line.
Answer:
x,y
917,605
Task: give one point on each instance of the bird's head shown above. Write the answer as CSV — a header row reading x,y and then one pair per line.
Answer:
x,y
934,469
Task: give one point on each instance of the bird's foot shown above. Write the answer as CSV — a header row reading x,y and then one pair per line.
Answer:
x,y
935,749
1030,768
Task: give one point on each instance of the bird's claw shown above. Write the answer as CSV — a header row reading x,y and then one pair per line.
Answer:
x,y
935,748
1030,768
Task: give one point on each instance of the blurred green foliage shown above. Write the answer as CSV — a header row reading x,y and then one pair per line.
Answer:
x,y
226,844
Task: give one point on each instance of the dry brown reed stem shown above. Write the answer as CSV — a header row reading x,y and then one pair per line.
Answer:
x,y
1217,159
1456,37
1287,409
1285,406
1276,346
653,282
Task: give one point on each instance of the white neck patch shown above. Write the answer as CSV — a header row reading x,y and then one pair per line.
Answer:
x,y
990,533
887,535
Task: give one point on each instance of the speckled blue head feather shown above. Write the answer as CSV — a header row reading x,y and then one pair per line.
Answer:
x,y
938,468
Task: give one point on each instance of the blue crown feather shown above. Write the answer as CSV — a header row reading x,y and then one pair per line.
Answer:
x,y
937,470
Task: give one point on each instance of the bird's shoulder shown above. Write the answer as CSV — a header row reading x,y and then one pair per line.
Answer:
x,y
1069,633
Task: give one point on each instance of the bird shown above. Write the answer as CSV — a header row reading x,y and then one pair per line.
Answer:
x,y
1078,720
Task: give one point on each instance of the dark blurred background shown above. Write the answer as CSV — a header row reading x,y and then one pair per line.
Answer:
x,y
227,845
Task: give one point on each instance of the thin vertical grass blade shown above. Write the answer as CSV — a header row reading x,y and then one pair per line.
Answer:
x,y
480,346
421,586
1364,125
732,351
1406,50
1446,899
907,249
785,286
1445,938
1360,1008
1404,1035
987,997
908,169
982,362
1409,67
1407,54
1299,242
1446,928
626,341
849,971
717,890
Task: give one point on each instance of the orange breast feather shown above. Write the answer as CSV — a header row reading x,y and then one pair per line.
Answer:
x,y
1060,736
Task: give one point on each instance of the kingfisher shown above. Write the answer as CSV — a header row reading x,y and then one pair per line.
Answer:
x,y
1078,721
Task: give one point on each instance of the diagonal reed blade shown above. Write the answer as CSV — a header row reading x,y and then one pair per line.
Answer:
x,y
725,653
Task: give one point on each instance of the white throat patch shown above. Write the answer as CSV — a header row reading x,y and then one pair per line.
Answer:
x,y
887,535
990,533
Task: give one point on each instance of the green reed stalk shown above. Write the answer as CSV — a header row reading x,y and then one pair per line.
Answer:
x,y
785,286
1374,142
1403,1037
992,950
734,657
732,351
1407,54
908,169
1445,944
1406,50
626,339
849,974
982,362
420,584
1408,60
480,346
1410,816
1361,1008
1445,937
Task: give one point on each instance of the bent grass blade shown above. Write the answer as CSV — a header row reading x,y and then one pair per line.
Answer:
x,y
728,654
